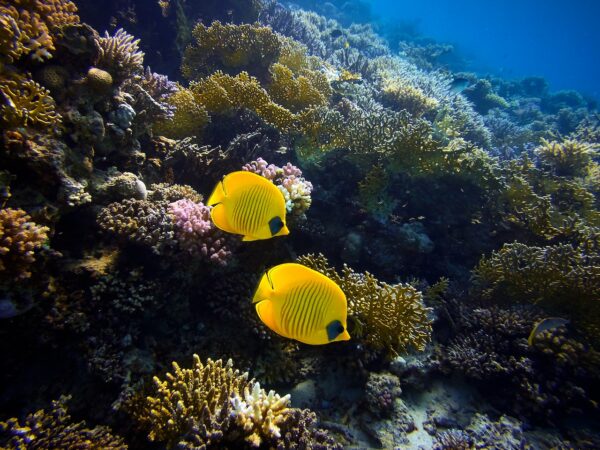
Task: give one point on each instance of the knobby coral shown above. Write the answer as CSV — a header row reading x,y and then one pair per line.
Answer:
x,y
390,317
20,238
55,429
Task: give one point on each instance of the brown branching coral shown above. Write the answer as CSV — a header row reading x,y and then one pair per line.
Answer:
x,y
390,317
189,116
120,55
232,48
28,27
19,239
298,91
55,429
27,103
568,158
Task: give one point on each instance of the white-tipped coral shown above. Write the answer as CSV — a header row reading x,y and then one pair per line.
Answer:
x,y
260,413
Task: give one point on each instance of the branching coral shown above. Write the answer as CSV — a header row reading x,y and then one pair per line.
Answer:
x,y
373,195
20,238
390,317
259,413
27,103
232,48
569,158
196,234
120,55
28,27
55,429
189,116
400,97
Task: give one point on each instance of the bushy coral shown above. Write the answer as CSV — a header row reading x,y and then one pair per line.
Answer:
x,y
568,158
298,91
20,238
27,103
189,116
196,234
231,48
259,413
55,429
390,317
406,97
120,55
288,179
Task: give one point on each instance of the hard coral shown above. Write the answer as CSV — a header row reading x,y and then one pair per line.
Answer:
x,y
390,317
55,429
232,48
27,103
19,240
189,116
298,91
192,408
568,158
120,55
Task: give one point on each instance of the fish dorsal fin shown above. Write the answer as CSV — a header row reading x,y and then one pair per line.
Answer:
x,y
264,290
291,274
218,194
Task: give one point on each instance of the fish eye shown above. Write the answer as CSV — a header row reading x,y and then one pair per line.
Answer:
x,y
275,225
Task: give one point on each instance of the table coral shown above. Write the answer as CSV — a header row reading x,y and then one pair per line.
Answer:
x,y
390,317
20,238
55,429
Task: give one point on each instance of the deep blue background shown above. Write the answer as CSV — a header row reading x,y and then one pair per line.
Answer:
x,y
558,40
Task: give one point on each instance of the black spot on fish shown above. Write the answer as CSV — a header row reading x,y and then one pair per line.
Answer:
x,y
275,225
334,329
336,33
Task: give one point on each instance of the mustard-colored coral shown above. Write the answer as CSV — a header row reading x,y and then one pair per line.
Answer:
x,y
402,96
20,238
189,118
27,103
220,92
391,317
298,91
28,26
259,413
232,48
570,158
191,408
55,429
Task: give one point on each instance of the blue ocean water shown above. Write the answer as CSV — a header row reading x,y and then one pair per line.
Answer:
x,y
557,40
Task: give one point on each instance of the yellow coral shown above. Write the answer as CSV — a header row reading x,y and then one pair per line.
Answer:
x,y
390,317
220,92
405,97
27,103
298,91
20,238
189,118
569,158
233,48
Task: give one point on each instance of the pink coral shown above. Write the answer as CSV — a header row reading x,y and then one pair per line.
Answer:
x,y
196,233
262,168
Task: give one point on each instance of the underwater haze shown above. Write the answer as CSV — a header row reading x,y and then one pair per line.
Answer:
x,y
308,225
557,40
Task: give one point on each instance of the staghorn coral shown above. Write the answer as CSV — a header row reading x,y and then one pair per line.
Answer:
x,y
120,55
390,317
189,116
221,92
20,238
288,179
141,221
191,408
27,104
259,413
196,234
55,429
29,27
231,48
569,158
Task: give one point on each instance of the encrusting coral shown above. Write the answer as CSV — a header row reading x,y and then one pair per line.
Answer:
x,y
390,317
20,238
55,429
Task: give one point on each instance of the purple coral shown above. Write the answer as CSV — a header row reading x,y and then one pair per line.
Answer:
x,y
262,168
196,233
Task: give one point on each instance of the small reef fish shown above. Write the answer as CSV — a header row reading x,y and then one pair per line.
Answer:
x,y
300,303
544,325
336,33
458,85
246,203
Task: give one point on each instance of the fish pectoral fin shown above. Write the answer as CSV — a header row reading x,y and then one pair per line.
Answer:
x,y
266,313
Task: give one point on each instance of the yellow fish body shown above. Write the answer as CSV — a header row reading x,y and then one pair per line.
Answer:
x,y
300,303
246,203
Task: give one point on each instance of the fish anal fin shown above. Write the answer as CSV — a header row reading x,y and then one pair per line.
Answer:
x,y
249,238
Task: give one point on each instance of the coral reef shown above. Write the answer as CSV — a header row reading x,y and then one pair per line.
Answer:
x,y
120,55
55,429
27,103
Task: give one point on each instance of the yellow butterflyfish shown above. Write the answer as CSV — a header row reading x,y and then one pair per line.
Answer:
x,y
246,203
300,303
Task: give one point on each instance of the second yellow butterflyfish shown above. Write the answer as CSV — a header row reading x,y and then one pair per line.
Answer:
x,y
246,203
300,303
